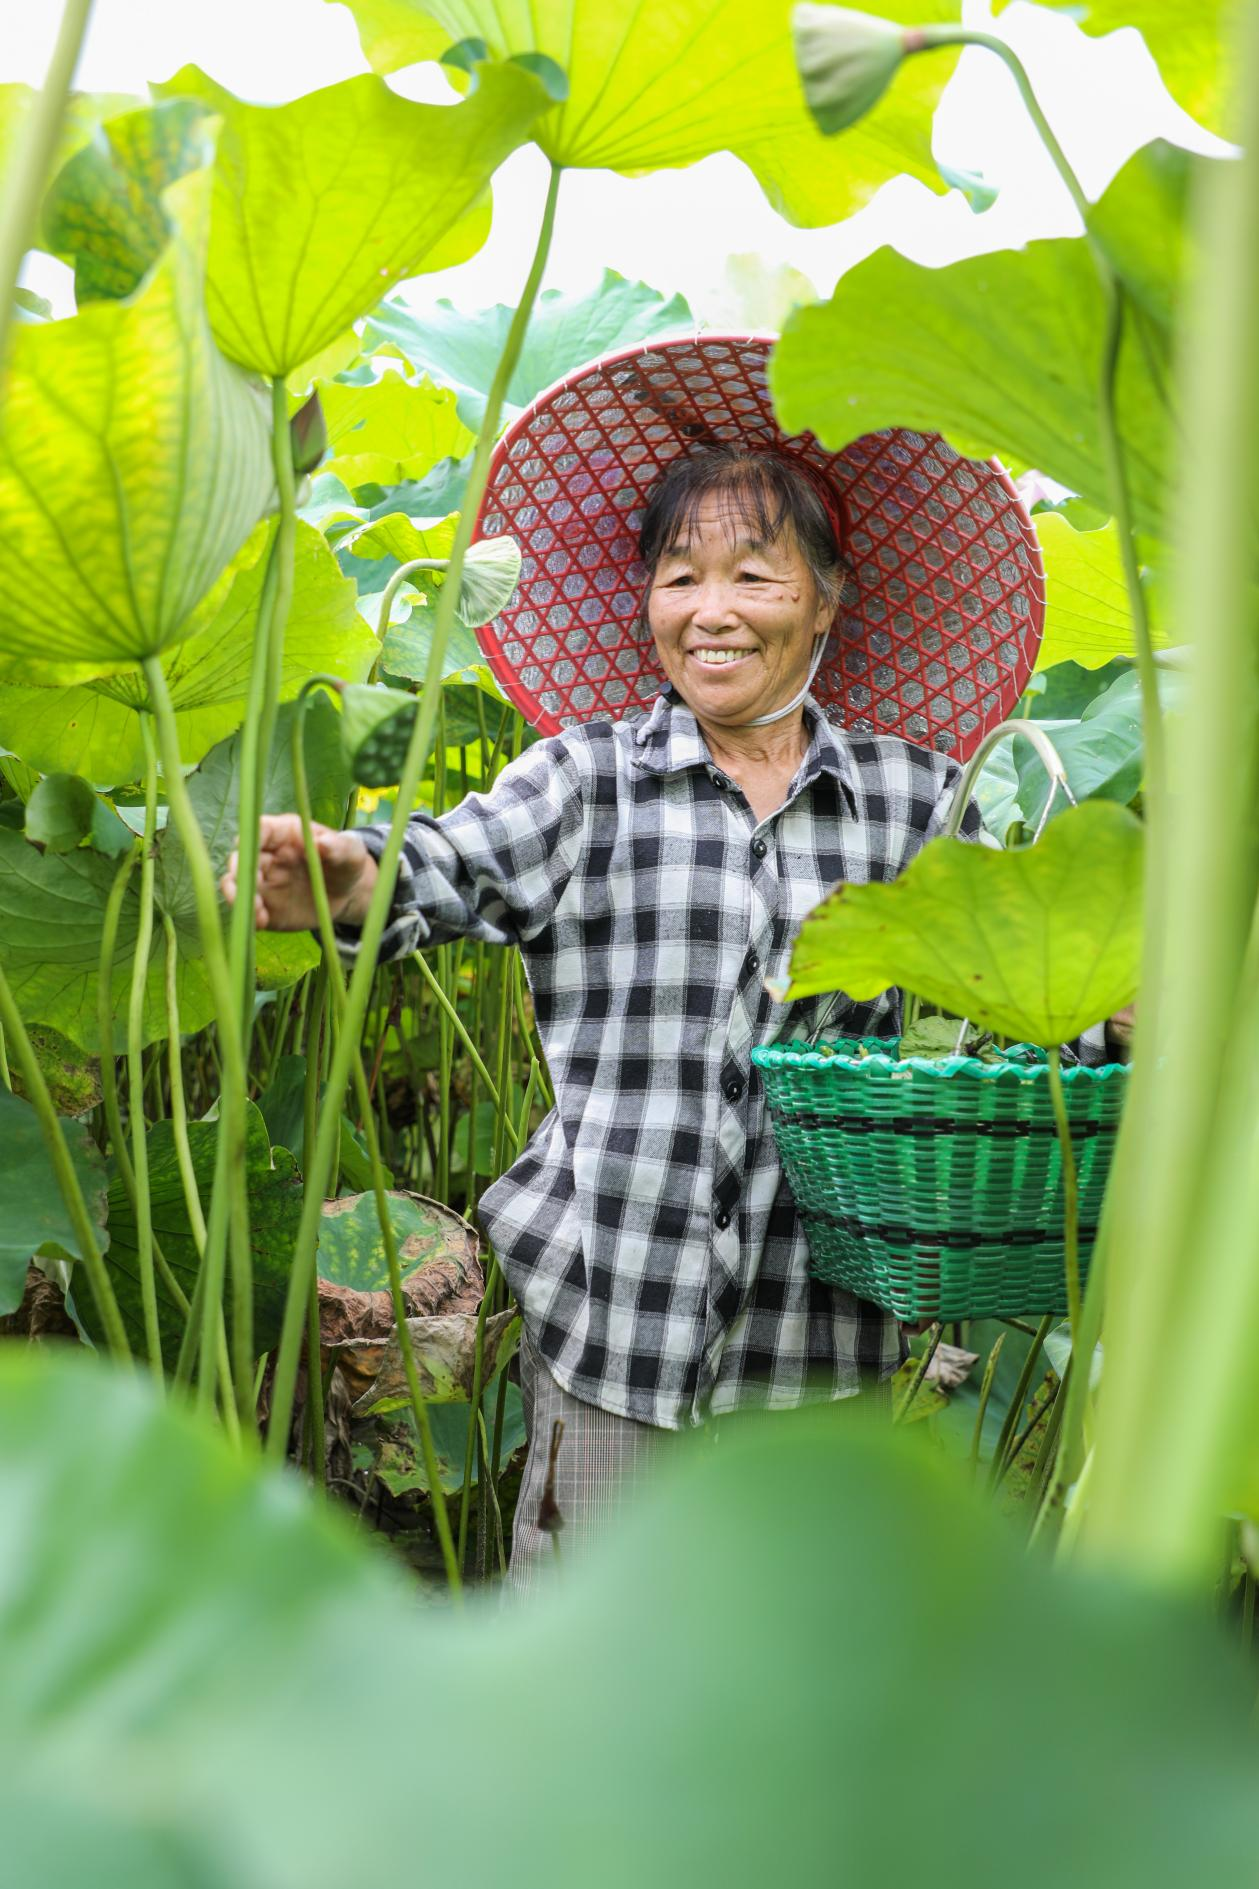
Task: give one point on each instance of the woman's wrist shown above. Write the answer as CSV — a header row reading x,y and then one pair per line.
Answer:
x,y
357,900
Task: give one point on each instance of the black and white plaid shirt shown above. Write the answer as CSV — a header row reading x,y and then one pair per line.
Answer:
x,y
647,1230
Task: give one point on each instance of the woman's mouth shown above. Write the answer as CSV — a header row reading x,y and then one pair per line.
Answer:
x,y
720,658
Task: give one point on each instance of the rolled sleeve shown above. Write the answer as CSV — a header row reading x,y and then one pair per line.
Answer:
x,y
493,868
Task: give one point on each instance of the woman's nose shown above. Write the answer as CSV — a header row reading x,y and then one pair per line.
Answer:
x,y
712,605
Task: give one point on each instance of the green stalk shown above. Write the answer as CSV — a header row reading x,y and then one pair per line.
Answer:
x,y
1070,1191
382,893
188,1174
985,1392
63,1167
135,1058
1020,1395
27,173
403,573
919,1372
1183,1272
336,984
451,1014
319,1023
478,1371
105,1021
229,1205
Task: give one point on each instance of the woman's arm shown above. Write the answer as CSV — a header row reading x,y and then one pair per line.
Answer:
x,y
493,868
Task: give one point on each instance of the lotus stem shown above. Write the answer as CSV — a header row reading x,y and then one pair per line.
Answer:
x,y
229,1205
985,1392
105,1022
401,576
37,146
336,985
63,1167
382,893
1020,1395
135,1058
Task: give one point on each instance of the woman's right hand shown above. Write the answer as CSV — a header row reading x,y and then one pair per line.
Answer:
x,y
283,899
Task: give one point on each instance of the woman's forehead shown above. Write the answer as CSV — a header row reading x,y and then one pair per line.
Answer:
x,y
734,518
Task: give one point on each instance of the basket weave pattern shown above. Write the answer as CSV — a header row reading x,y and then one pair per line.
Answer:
x,y
934,1189
940,620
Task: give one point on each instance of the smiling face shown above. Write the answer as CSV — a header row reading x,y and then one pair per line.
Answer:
x,y
734,617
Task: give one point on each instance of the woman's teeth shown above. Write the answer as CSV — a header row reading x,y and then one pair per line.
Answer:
x,y
720,655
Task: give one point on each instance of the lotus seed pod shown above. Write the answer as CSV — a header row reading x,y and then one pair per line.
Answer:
x,y
846,61
376,724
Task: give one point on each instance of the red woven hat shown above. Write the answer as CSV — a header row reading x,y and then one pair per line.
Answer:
x,y
940,619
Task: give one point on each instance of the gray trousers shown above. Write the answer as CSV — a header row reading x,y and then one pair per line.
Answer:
x,y
601,1457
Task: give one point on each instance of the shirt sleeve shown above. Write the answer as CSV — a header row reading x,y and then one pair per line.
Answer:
x,y
970,828
495,866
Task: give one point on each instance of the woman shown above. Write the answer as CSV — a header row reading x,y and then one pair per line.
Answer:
x,y
654,874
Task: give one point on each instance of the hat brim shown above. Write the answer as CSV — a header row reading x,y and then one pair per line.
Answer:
x,y
941,616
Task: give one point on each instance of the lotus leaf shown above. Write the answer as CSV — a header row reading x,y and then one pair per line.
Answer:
x,y
389,430
1185,42
322,205
275,1204
105,212
32,1213
351,1251
565,331
167,1697
134,463
999,353
398,1460
1035,945
667,82
1087,619
60,813
51,914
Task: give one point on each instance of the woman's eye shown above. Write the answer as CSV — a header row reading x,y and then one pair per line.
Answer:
x,y
752,577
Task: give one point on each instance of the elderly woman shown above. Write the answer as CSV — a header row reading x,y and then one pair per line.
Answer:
x,y
654,873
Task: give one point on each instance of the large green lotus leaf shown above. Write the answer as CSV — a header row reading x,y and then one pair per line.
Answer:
x,y
322,205
351,1251
275,1207
1103,752
1035,944
134,463
1087,619
52,908
1000,352
664,83
32,1212
1187,42
169,1609
105,213
72,1076
462,351
389,430
95,727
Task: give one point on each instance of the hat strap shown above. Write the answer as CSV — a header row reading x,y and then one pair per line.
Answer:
x,y
797,701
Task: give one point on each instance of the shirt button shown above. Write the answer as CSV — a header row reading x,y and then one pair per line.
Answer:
x,y
734,1089
759,849
720,780
721,1219
754,963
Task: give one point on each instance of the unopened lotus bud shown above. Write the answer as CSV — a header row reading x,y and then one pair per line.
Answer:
x,y
846,61
376,724
308,436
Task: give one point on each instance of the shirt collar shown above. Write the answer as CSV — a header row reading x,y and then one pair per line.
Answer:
x,y
668,741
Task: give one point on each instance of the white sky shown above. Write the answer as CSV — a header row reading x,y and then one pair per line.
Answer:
x,y
676,229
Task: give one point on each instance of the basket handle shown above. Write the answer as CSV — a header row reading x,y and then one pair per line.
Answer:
x,y
1033,732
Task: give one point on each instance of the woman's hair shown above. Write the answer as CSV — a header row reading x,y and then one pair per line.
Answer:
x,y
769,491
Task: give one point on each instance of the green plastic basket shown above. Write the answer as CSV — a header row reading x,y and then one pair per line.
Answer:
x,y
934,1189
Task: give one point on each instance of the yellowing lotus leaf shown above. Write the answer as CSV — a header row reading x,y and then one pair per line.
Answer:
x,y
134,463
